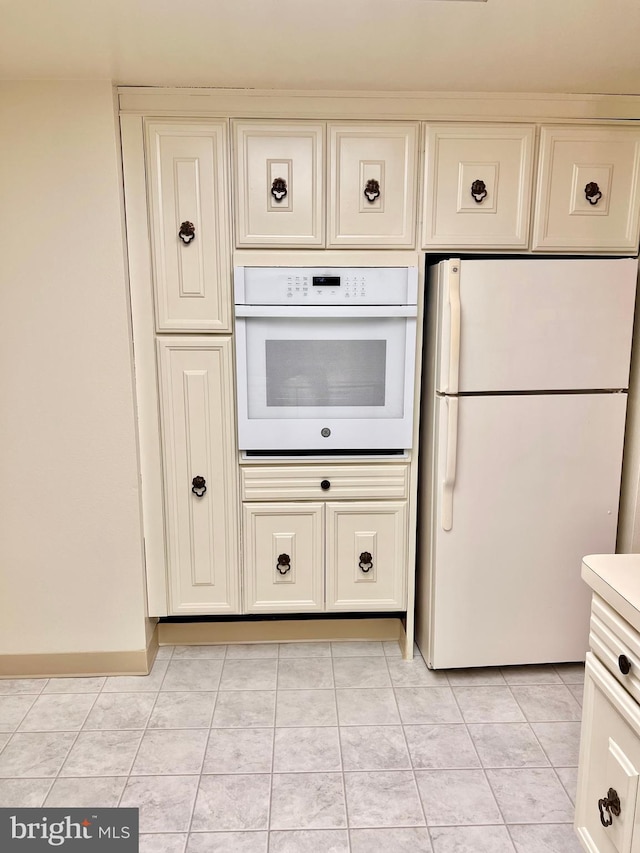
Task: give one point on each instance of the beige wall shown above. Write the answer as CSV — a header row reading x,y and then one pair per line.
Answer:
x,y
71,565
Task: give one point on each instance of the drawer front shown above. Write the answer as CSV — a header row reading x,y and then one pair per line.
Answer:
x,y
609,759
571,211
316,482
366,556
609,638
283,557
478,186
279,191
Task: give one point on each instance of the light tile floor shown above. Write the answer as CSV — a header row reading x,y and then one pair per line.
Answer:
x,y
305,748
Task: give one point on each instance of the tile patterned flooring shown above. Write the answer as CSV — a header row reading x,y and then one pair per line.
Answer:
x,y
305,748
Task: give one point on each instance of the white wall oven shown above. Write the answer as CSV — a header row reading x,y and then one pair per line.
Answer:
x,y
325,359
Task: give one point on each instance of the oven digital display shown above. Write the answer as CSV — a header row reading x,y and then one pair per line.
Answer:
x,y
326,281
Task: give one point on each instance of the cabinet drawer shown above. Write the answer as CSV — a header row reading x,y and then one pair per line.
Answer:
x,y
609,638
609,759
588,190
279,190
283,557
478,186
314,482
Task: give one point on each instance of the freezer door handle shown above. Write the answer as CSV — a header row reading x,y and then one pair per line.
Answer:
x,y
451,462
454,318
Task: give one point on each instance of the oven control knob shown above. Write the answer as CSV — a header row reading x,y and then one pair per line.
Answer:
x,y
325,432
325,485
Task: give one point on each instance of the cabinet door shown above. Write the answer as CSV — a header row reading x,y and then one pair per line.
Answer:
x,y
279,189
372,184
187,166
588,190
478,186
609,759
366,555
198,434
283,557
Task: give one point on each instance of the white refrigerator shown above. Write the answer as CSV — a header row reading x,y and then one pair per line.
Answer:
x,y
524,404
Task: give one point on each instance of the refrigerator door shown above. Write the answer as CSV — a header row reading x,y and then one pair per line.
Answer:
x,y
533,488
533,324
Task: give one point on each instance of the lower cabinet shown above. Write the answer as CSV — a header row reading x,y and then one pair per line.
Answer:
x,y
333,556
200,473
607,798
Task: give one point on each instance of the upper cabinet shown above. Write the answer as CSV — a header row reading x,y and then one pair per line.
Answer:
x,y
190,229
477,186
281,184
372,185
588,195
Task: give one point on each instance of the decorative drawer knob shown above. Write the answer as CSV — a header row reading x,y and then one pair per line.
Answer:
x,y
479,191
187,232
624,664
609,807
372,190
279,189
365,562
284,564
199,486
325,485
592,192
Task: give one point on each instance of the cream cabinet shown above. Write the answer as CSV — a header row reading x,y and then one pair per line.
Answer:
x,y
477,186
326,537
200,474
187,170
588,193
284,193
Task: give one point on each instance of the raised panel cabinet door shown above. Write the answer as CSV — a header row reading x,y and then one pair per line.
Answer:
x,y
588,194
201,477
278,183
283,557
477,190
190,228
609,764
366,555
372,184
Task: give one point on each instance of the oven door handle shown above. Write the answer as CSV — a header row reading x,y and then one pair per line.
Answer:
x,y
329,311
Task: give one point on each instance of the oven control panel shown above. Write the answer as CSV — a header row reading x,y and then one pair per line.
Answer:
x,y
325,286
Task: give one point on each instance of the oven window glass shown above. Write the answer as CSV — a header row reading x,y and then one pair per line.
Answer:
x,y
325,373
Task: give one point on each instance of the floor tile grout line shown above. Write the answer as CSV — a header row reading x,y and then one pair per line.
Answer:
x,y
406,743
344,784
273,752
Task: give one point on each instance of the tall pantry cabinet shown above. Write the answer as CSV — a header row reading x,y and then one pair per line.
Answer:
x,y
189,219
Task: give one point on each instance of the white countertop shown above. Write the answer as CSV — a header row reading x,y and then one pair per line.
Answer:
x,y
616,579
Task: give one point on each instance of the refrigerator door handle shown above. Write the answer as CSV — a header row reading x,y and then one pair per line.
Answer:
x,y
454,315
449,480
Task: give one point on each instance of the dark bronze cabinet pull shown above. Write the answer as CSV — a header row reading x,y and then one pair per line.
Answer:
x,y
366,561
624,664
372,190
592,192
479,191
187,232
199,486
279,189
284,564
611,805
325,485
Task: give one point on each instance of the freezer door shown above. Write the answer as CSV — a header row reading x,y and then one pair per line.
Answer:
x,y
533,488
533,324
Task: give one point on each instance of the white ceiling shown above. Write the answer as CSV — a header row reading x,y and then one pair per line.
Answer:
x,y
572,46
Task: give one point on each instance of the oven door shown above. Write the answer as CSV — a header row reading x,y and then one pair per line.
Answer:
x,y
325,378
